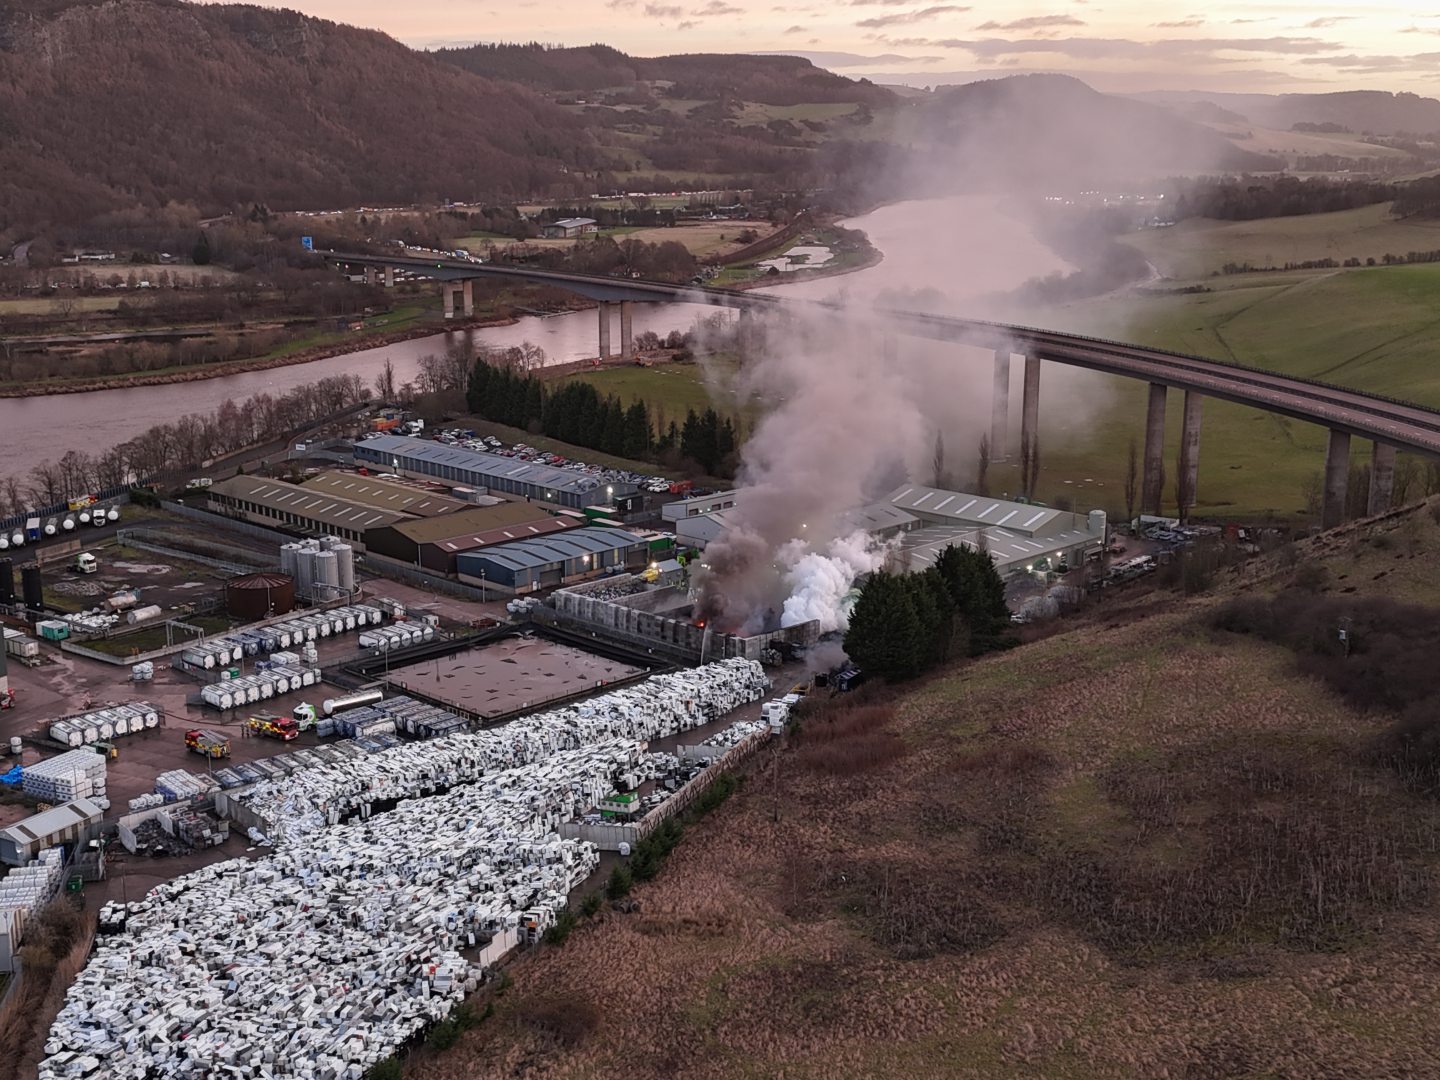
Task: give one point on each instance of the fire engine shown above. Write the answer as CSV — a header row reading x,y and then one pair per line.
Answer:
x,y
207,743
273,727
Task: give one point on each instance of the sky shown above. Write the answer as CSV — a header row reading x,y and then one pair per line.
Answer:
x,y
1117,45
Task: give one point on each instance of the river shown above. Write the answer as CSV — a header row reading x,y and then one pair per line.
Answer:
x,y
961,247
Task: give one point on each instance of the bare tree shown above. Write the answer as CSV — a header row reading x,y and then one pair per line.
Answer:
x,y
1132,481
385,381
1404,480
982,467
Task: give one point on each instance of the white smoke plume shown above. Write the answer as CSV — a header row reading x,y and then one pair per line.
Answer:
x,y
820,581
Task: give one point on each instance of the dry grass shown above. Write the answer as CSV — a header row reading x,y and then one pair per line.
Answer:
x,y
1140,847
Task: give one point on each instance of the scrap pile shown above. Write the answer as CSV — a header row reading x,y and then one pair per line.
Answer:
x,y
661,706
323,958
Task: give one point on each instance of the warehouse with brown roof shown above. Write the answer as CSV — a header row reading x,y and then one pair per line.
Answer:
x,y
433,543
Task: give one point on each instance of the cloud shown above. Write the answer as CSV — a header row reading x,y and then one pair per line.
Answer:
x,y
717,7
1328,20
1421,30
663,11
912,16
1374,64
796,30
617,5
1083,48
1239,22
881,3
688,24
1180,24
1034,22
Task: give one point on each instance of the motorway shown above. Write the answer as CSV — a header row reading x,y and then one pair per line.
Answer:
x,y
1402,424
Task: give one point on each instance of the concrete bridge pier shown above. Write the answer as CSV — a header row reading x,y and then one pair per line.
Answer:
x,y
1000,408
1030,404
1337,478
1152,480
389,277
369,275
627,340
1190,452
1382,479
604,309
468,292
447,297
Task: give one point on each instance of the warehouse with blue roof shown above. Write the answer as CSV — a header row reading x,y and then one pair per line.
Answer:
x,y
542,562
495,472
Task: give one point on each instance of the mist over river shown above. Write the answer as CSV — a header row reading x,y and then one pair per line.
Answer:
x,y
961,247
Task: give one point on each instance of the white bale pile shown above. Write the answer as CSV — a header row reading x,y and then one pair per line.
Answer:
x,y
660,706
70,776
736,733
324,958
28,888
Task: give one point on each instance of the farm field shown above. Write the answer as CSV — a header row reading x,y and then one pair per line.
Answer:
x,y
1143,846
1196,248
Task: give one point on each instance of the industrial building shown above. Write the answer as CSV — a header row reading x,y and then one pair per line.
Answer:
x,y
522,566
385,494
697,505
698,529
569,228
291,506
69,823
434,543
494,472
1017,536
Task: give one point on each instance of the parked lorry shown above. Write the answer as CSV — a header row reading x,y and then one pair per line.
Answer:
x,y
304,715
283,728
207,743
86,563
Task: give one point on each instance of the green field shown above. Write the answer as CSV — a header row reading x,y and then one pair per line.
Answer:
x,y
672,389
1197,248
1375,330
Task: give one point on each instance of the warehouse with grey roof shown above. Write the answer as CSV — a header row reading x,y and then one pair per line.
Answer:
x,y
473,468
523,566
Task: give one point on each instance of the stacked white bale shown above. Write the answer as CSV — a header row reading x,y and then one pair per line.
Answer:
x,y
64,778
28,888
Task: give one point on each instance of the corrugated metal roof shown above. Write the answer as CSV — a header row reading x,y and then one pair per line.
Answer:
x,y
385,494
496,465
548,550
937,505
49,822
327,509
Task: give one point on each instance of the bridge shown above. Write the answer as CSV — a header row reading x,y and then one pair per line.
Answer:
x,y
1388,423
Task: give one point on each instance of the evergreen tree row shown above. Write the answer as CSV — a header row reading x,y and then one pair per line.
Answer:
x,y
905,624
574,412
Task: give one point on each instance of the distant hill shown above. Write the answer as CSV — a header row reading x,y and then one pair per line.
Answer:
x,y
1023,128
768,80
123,103
1377,112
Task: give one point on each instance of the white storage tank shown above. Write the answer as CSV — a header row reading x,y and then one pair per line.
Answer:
x,y
143,614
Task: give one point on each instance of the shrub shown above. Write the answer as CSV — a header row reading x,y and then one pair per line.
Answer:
x,y
389,1069
620,882
591,904
564,923
443,1035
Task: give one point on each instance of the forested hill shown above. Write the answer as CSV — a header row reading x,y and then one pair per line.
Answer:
x,y
769,80
123,103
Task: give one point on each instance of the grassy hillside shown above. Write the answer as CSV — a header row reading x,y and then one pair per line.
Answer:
x,y
1197,248
1139,847
1372,329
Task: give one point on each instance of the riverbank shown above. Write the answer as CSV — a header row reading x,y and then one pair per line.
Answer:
x,y
45,388
238,367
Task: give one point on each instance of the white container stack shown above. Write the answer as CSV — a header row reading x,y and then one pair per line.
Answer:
x,y
70,776
105,724
28,888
